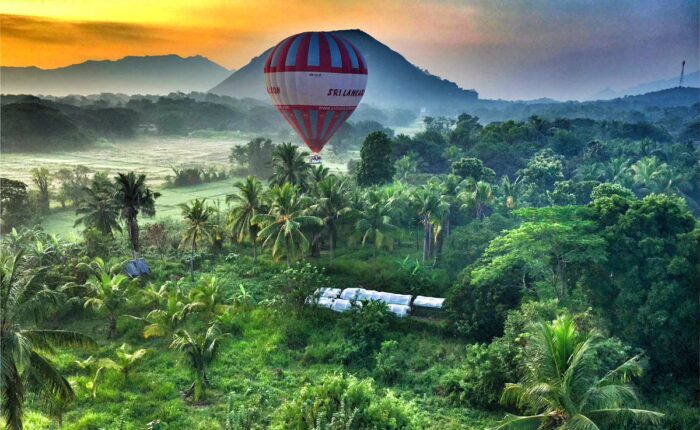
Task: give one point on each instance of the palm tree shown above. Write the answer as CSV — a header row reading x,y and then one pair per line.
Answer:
x,y
97,207
23,346
201,351
374,225
106,290
331,205
562,387
282,226
208,298
197,216
134,197
477,197
318,173
649,175
289,165
249,202
431,211
511,191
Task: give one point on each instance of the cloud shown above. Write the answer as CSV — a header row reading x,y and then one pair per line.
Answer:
x,y
38,29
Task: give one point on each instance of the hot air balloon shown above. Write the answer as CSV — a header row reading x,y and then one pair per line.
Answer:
x,y
315,80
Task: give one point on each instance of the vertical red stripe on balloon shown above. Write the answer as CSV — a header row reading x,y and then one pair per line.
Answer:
x,y
303,52
325,51
307,124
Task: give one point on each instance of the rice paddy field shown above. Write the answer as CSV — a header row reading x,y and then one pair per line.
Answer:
x,y
154,156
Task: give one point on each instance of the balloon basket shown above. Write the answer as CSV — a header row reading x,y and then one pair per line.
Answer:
x,y
315,159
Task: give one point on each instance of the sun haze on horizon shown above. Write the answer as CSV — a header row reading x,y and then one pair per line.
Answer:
x,y
506,50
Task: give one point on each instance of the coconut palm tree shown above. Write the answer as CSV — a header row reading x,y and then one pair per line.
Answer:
x,y
289,165
282,226
331,206
106,290
649,175
318,173
197,215
24,346
374,225
208,298
249,202
562,388
97,207
134,197
201,351
511,191
431,211
477,197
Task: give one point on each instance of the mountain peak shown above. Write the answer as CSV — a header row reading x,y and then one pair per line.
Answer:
x,y
392,81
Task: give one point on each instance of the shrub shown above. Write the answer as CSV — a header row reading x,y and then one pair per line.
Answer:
x,y
345,400
389,362
367,327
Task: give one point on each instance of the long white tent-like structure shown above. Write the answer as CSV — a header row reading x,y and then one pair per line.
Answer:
x,y
398,304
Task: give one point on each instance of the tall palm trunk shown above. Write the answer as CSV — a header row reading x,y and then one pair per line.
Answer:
x,y
332,237
133,227
193,250
427,230
112,326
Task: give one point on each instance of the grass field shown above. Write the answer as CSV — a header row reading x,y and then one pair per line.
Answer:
x,y
154,156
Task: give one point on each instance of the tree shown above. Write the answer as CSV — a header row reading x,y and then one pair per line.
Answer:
x,y
282,226
23,346
331,206
406,166
208,298
134,197
649,299
539,176
196,216
201,350
374,225
249,202
164,320
649,175
15,209
42,180
473,168
551,249
97,208
106,290
563,388
375,166
477,197
256,155
511,191
431,211
289,166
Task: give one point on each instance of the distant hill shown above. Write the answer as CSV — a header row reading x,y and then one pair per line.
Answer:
x,y
690,80
129,75
392,82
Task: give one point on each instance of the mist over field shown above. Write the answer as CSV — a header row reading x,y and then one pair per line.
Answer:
x,y
177,254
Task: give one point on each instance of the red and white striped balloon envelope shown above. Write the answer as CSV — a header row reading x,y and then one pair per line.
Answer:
x,y
316,80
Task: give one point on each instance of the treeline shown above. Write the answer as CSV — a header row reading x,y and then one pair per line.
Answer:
x,y
564,158
43,124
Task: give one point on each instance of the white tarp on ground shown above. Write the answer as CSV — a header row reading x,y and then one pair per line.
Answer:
x,y
326,302
429,302
351,293
331,293
341,305
399,310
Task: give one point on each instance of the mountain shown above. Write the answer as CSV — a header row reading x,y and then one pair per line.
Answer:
x,y
392,81
130,75
690,80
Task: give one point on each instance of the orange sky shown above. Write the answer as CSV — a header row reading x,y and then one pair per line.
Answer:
x,y
56,33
